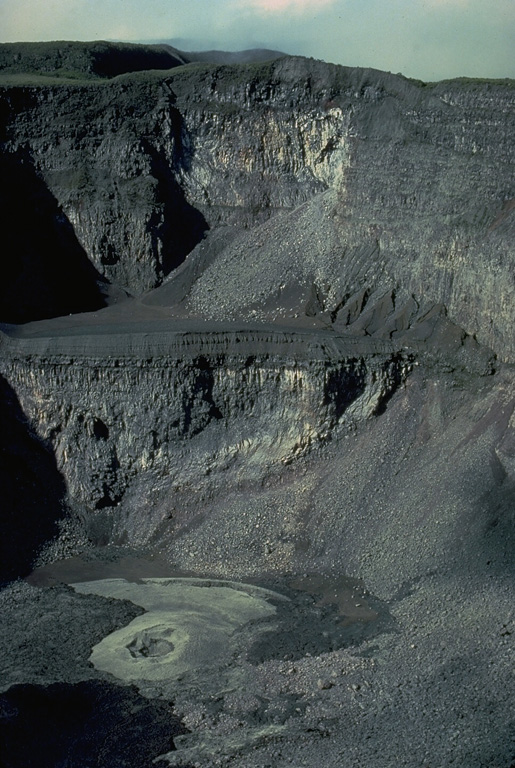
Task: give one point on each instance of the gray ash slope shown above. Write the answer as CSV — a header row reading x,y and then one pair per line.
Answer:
x,y
314,375
418,182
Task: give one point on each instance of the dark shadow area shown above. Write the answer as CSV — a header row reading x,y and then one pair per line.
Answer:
x,y
86,59
109,60
31,488
198,405
394,375
176,227
92,723
45,271
344,386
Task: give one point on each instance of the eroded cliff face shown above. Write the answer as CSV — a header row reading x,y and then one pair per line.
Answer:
x,y
247,402
108,157
302,398
380,182
419,199
371,212
33,490
141,171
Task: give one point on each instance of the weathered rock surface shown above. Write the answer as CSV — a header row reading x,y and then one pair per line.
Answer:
x,y
320,383
382,183
117,408
46,269
33,491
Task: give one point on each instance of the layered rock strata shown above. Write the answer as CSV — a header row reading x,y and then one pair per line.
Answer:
x,y
416,181
115,409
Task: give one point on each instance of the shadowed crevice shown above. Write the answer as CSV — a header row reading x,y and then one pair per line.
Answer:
x,y
31,487
45,270
92,723
176,227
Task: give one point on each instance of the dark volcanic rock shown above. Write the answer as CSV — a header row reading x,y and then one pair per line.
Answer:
x,y
45,270
319,383
33,489
122,406
82,725
98,59
46,634
137,209
418,182
250,55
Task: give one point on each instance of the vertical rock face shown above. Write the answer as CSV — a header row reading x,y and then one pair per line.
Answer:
x,y
261,141
141,168
45,269
346,202
108,158
290,192
381,182
301,394
420,191
33,490
112,420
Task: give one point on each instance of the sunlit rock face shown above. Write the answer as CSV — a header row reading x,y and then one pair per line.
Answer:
x,y
418,181
180,157
250,401
312,380
358,220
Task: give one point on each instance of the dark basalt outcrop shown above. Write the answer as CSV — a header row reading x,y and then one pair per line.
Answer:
x,y
45,269
118,407
418,181
305,370
82,724
33,490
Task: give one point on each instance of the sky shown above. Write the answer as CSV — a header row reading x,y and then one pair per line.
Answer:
x,y
426,39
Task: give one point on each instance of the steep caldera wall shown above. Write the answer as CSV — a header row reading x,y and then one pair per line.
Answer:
x,y
141,165
380,182
122,413
420,201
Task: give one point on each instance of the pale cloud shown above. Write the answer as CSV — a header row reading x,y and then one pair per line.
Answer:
x,y
429,39
32,20
21,21
51,19
280,6
448,3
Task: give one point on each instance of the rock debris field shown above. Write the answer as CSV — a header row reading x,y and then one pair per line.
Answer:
x,y
257,424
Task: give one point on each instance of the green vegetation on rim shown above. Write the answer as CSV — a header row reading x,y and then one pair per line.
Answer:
x,y
73,62
84,61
